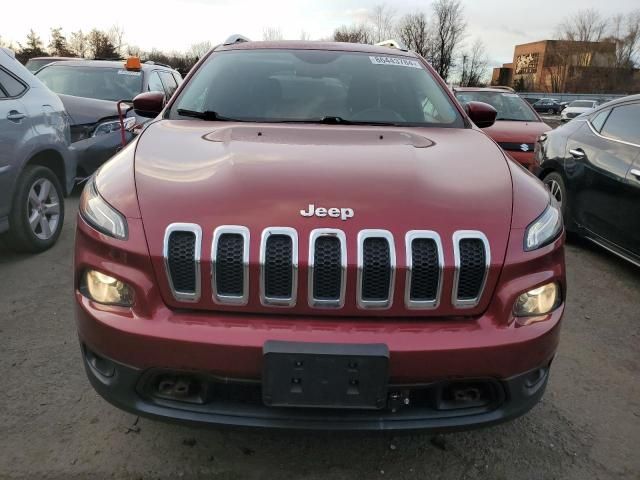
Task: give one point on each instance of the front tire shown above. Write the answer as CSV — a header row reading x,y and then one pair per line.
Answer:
x,y
555,184
37,212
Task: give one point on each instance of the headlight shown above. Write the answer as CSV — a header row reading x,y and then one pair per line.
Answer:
x,y
545,229
100,215
539,301
113,126
105,289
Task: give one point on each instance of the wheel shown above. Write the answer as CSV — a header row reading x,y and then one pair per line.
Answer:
x,y
555,184
37,212
551,111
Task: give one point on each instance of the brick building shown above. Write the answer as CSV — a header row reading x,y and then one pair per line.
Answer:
x,y
565,66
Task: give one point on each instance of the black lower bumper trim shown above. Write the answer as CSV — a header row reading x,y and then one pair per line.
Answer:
x,y
125,390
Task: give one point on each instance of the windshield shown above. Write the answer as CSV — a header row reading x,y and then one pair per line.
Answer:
x,y
582,104
509,105
34,64
312,85
92,82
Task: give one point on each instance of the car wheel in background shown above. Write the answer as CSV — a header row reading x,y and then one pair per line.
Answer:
x,y
37,213
555,184
551,111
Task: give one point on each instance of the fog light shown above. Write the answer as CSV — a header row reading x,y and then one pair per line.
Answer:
x,y
539,301
107,290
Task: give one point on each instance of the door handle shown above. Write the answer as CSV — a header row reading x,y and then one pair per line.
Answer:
x,y
635,172
577,153
15,116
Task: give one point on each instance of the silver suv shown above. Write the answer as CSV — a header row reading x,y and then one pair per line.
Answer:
x,y
37,165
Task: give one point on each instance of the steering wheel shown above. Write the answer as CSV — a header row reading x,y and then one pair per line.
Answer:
x,y
377,114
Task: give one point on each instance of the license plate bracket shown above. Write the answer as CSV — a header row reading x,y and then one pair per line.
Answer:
x,y
325,375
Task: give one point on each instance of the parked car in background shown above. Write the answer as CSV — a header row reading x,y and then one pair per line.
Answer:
x,y
577,108
550,106
592,168
90,91
317,236
37,166
36,63
517,125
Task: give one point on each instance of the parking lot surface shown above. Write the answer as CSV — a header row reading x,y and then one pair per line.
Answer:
x,y
53,425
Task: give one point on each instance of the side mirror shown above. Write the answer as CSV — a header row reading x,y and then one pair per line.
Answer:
x,y
148,104
480,113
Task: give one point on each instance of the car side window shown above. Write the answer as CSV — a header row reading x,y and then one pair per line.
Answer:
x,y
169,82
155,84
178,78
623,124
598,120
11,86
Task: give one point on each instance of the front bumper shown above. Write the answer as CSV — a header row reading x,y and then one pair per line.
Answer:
x,y
125,388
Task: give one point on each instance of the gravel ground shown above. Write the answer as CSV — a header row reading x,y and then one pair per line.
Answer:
x,y
53,425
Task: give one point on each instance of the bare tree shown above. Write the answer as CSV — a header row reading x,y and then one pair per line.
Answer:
x,y
198,50
449,27
352,34
381,21
413,31
116,37
304,35
78,44
625,33
58,44
584,26
474,65
272,33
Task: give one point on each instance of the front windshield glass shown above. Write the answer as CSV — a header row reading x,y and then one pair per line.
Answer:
x,y
92,82
510,106
314,86
582,104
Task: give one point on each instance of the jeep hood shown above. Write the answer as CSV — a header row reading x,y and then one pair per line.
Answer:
x,y
259,176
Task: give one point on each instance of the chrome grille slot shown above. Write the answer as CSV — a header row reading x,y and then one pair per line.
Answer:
x,y
230,265
425,266
279,267
181,251
472,260
327,268
376,269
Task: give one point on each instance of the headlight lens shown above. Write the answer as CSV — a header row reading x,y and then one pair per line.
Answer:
x,y
545,229
113,126
539,301
107,290
100,215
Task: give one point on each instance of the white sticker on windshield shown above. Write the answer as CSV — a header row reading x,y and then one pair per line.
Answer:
x,y
129,72
400,62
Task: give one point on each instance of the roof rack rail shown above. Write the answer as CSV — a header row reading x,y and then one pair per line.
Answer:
x,y
153,62
236,38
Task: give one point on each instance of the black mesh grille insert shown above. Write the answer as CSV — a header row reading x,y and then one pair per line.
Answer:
x,y
181,259
425,274
472,268
230,265
327,269
278,274
376,269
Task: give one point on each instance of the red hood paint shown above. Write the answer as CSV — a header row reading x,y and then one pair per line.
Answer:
x,y
262,175
520,132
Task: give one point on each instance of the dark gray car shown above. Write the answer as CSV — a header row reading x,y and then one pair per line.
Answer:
x,y
90,91
37,164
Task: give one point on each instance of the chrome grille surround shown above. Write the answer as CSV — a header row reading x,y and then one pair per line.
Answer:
x,y
197,231
279,301
313,237
409,238
457,237
375,304
246,236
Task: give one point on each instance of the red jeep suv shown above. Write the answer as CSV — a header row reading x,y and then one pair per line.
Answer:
x,y
316,235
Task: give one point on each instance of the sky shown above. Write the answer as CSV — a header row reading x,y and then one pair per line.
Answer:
x,y
176,25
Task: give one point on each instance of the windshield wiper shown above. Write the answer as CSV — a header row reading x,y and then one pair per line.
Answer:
x,y
209,115
513,119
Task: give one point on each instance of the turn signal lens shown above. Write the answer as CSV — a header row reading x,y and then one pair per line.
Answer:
x,y
105,289
538,301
